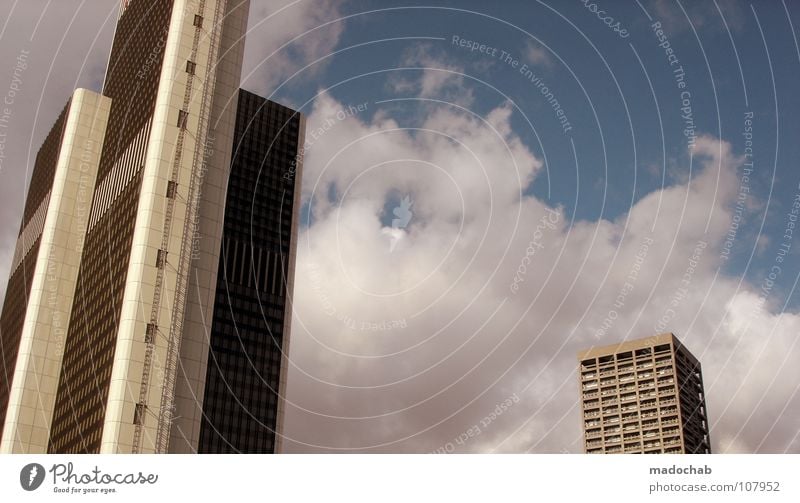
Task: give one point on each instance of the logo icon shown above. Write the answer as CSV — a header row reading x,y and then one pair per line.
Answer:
x,y
31,476
403,213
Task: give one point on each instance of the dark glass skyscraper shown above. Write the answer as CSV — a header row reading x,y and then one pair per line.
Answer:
x,y
252,314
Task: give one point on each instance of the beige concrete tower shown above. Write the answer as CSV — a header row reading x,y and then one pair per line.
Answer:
x,y
49,250
173,76
643,396
190,110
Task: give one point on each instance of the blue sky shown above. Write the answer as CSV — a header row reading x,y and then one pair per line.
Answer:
x,y
619,94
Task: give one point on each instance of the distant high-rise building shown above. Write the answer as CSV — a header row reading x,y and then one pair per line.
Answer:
x,y
643,396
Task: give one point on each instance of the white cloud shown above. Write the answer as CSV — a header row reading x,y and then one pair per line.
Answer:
x,y
409,349
285,36
433,77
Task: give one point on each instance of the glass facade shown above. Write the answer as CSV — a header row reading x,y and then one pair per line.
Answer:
x,y
251,314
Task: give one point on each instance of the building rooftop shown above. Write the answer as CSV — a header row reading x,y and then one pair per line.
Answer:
x,y
632,345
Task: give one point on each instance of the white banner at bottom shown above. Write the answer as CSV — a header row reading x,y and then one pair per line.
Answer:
x,y
400,478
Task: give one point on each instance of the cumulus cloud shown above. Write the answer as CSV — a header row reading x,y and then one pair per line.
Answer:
x,y
464,337
428,74
284,37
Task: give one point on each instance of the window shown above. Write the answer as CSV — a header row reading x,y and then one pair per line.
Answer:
x,y
161,259
171,189
190,67
183,117
138,413
150,333
198,21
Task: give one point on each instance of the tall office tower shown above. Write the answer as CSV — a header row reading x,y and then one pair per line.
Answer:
x,y
643,396
39,297
230,395
172,79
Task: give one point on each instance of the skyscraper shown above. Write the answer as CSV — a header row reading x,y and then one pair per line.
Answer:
x,y
145,281
643,396
41,286
238,404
